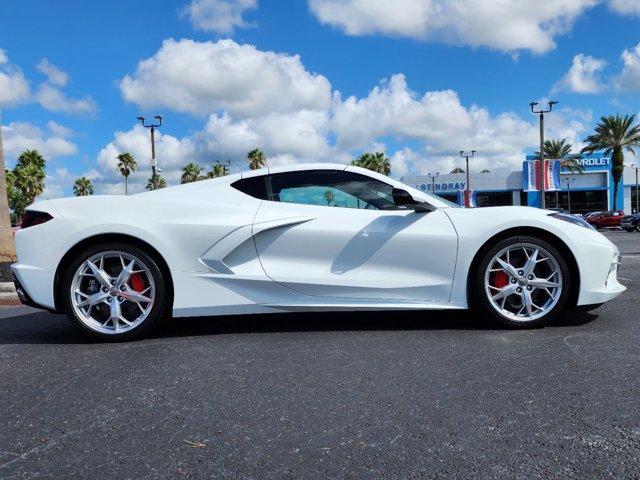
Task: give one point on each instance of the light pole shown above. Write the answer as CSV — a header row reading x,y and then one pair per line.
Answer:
x,y
467,155
433,177
153,127
569,181
541,112
636,167
225,166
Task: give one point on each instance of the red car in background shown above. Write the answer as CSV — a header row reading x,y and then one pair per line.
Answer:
x,y
610,219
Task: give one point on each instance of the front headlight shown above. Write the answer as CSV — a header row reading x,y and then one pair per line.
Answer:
x,y
567,217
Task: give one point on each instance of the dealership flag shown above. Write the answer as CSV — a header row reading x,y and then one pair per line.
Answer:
x,y
467,198
531,175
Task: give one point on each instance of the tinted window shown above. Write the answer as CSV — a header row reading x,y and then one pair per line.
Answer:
x,y
253,186
332,188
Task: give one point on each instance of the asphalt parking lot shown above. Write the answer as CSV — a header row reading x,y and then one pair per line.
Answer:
x,y
367,395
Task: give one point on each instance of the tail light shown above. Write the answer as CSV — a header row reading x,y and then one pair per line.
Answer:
x,y
31,218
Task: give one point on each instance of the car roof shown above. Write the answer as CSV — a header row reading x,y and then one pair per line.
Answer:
x,y
297,167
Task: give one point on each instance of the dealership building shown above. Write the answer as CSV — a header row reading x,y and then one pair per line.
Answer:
x,y
583,192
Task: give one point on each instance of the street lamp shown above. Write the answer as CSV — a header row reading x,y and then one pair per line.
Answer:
x,y
225,166
569,181
636,167
541,112
433,177
153,127
467,155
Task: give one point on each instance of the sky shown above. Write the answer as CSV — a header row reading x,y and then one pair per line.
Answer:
x,y
306,80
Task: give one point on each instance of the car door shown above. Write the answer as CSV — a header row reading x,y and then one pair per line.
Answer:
x,y
342,236
607,219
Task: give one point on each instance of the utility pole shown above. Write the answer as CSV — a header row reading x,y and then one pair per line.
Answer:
x,y
635,167
569,181
225,166
7,248
153,127
468,155
541,112
433,177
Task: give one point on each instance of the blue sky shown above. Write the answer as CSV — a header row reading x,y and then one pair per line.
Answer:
x,y
317,80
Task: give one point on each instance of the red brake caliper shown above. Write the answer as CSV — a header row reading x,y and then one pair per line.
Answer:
x,y
137,282
499,279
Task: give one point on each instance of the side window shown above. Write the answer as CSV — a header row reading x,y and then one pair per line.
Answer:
x,y
253,186
330,188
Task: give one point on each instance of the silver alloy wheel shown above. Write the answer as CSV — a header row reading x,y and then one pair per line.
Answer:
x,y
112,292
523,282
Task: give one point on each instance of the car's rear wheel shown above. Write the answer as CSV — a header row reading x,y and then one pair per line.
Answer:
x,y
114,291
521,282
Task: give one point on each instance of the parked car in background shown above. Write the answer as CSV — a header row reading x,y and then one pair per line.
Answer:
x,y
609,219
631,222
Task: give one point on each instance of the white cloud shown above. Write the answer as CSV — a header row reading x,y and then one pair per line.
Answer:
x,y
392,109
54,99
50,95
583,76
54,75
241,90
303,134
201,78
625,7
629,78
218,16
59,130
442,126
14,88
505,25
51,143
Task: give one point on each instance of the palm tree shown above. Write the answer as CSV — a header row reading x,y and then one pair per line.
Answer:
x,y
30,175
614,135
256,159
561,150
329,196
191,172
17,200
127,165
7,248
31,157
155,182
82,187
377,162
217,170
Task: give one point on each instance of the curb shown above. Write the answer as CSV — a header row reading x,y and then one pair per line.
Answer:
x,y
8,295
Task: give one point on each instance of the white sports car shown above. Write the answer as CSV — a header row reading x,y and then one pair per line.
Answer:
x,y
318,237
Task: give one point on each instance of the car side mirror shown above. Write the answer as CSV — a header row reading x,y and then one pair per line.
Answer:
x,y
402,198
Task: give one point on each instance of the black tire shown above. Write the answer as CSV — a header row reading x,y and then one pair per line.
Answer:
x,y
629,229
154,316
478,297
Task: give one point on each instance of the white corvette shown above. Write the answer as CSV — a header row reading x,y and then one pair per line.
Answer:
x,y
318,237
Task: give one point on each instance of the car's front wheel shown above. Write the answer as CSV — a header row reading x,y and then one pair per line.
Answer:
x,y
521,282
114,291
